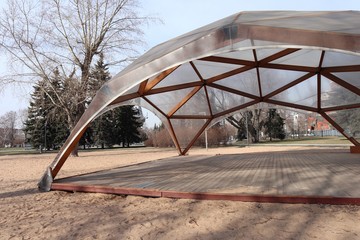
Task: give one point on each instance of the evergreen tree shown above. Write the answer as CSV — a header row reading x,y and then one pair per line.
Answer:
x,y
274,125
128,122
45,125
102,126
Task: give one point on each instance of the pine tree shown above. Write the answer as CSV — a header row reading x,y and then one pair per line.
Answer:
x,y
101,127
45,125
128,122
274,125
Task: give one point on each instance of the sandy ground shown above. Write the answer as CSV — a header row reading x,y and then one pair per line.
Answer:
x,y
29,214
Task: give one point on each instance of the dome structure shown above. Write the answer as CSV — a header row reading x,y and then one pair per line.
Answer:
x,y
304,60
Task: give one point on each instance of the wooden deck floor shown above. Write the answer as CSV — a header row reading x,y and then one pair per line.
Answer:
x,y
314,176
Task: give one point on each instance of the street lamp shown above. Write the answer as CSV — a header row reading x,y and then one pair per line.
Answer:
x,y
45,136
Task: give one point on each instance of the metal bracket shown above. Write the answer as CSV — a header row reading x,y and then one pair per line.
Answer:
x,y
45,182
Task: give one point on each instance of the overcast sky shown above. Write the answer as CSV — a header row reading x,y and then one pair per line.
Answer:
x,y
181,16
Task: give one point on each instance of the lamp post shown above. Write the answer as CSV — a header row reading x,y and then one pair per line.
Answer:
x,y
45,136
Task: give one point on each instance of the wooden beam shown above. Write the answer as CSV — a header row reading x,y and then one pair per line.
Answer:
x,y
322,56
174,138
196,71
175,87
319,80
278,55
159,78
318,92
350,68
288,67
228,61
258,77
190,117
259,81
208,100
142,87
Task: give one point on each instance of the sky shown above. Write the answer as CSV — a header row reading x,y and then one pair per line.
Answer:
x,y
180,17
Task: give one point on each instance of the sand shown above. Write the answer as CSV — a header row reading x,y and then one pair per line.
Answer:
x,y
27,213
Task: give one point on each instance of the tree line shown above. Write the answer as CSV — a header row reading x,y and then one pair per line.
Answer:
x,y
245,125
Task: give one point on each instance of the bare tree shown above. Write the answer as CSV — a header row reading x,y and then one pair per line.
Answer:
x,y
8,128
40,36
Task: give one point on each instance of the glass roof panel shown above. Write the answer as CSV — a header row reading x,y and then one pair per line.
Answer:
x,y
349,120
304,93
333,94
245,82
168,100
266,52
186,129
303,57
333,59
197,105
183,74
273,79
141,102
350,77
222,100
211,69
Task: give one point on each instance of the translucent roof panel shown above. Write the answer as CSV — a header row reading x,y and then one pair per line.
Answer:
x,y
303,57
273,79
333,94
197,105
247,55
168,100
304,93
211,69
316,21
266,52
183,74
221,100
245,82
352,78
332,59
348,120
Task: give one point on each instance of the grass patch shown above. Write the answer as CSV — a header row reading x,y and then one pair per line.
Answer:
x,y
17,151
21,151
309,140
